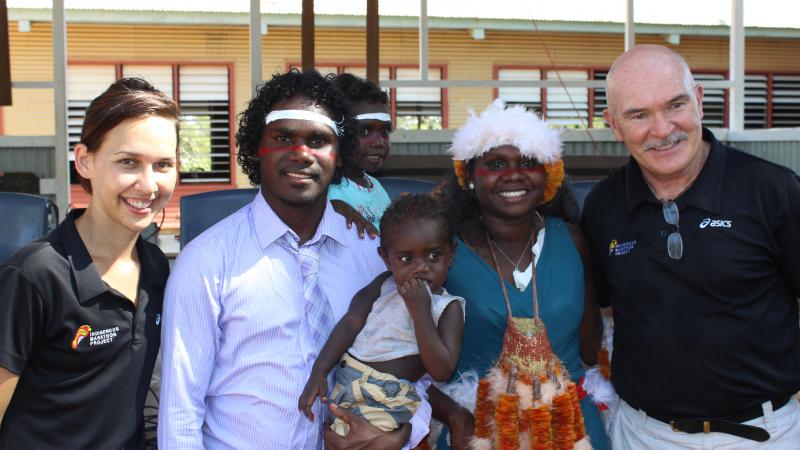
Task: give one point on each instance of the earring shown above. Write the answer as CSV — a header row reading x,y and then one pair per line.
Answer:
x,y
471,186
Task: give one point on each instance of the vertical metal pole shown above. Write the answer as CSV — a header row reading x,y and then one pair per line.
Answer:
x,y
61,156
255,45
373,41
423,39
307,39
630,35
5,57
736,67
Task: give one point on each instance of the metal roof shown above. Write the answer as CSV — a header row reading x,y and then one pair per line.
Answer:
x,y
703,13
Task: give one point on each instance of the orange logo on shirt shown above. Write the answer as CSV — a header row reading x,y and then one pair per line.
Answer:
x,y
82,332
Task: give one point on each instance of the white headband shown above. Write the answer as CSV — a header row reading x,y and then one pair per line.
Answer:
x,y
383,117
301,114
498,125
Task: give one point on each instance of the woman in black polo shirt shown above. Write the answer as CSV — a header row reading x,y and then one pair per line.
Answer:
x,y
80,311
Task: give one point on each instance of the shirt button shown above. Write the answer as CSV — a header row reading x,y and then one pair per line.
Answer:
x,y
663,233
342,364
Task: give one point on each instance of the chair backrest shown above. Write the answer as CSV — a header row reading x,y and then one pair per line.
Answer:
x,y
25,218
582,189
396,186
201,211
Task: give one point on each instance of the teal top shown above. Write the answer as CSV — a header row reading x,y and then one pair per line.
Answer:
x,y
559,277
370,202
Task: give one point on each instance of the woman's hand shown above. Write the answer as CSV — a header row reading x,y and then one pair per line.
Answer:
x,y
354,217
363,435
416,296
461,424
316,386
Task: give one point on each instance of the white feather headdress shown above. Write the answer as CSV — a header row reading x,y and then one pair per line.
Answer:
x,y
498,125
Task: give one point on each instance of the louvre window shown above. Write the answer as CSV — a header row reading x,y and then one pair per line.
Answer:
x,y
755,101
529,97
205,124
785,101
600,102
418,108
567,107
204,149
84,83
713,101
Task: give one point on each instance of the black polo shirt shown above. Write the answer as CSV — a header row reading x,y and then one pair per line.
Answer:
x,y
83,352
716,332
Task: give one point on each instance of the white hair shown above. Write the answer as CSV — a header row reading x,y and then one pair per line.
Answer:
x,y
498,125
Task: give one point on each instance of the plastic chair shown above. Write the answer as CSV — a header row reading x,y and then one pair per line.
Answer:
x,y
26,218
200,211
396,186
581,190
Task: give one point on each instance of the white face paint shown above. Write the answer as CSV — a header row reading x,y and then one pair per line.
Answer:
x,y
383,117
300,114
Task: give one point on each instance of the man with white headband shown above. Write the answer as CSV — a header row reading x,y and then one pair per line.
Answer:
x,y
354,193
696,250
251,301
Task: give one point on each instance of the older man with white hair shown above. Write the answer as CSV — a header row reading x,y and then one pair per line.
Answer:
x,y
694,247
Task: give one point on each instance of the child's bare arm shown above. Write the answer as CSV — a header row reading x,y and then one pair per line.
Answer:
x,y
341,338
439,348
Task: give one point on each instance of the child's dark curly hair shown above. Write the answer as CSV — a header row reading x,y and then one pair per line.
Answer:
x,y
281,87
414,207
359,89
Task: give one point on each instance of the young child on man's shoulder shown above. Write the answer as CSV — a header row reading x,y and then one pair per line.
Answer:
x,y
354,193
388,340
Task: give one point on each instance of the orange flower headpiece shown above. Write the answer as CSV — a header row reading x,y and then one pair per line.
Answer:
x,y
516,126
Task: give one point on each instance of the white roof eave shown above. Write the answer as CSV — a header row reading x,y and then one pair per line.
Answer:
x,y
140,17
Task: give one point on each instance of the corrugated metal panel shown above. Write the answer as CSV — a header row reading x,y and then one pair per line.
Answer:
x,y
38,160
785,153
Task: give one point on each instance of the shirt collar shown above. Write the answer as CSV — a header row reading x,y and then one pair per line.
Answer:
x,y
705,192
88,283
269,227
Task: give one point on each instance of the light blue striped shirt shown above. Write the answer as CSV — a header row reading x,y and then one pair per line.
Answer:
x,y
237,350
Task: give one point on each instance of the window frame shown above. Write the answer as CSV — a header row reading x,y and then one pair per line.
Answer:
x,y
543,69
340,68
175,65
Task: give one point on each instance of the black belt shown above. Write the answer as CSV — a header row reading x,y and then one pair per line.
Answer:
x,y
729,425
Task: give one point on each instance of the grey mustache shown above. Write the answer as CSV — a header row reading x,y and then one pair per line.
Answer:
x,y
671,140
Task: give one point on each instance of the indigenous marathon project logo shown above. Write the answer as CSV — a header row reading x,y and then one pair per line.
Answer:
x,y
100,337
83,331
620,248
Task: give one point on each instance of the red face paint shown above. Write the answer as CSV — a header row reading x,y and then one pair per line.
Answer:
x,y
318,153
484,172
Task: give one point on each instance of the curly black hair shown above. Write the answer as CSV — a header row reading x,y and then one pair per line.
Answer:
x,y
463,208
358,89
282,87
414,207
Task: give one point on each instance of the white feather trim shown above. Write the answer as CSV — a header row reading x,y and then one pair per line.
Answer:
x,y
548,392
498,125
481,444
525,392
583,444
600,389
463,391
524,440
498,382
